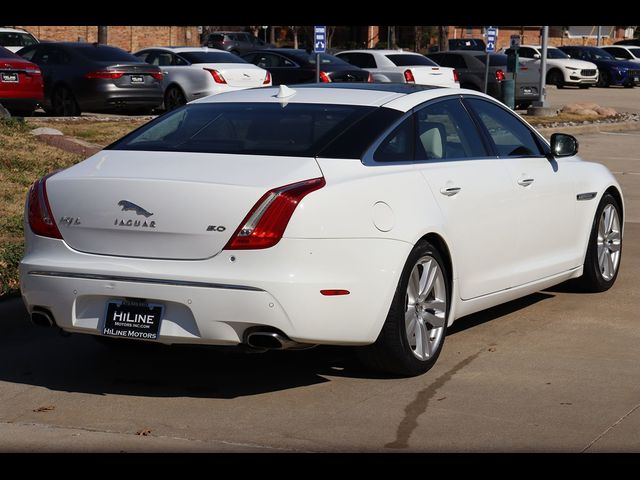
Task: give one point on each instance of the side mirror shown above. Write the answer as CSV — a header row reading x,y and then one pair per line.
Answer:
x,y
536,56
563,145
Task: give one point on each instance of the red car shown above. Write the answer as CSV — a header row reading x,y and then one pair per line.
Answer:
x,y
21,87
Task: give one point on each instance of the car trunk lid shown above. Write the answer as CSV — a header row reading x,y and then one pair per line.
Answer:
x,y
242,75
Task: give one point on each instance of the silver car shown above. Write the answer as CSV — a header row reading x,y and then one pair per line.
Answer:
x,y
191,73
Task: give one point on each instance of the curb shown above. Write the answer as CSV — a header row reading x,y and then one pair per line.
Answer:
x,y
590,128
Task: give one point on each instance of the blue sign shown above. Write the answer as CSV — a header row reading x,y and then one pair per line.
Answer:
x,y
492,39
319,39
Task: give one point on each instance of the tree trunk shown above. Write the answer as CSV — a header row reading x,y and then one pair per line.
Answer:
x,y
103,35
392,38
272,36
417,32
443,38
295,36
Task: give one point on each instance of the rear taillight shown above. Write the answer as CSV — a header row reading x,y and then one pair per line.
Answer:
x,y
267,79
456,78
104,74
408,76
370,78
265,224
217,77
35,71
499,75
157,75
324,78
40,217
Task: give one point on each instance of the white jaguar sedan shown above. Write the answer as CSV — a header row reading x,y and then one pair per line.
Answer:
x,y
372,215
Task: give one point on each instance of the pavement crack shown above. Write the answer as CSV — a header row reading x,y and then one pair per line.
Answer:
x,y
609,428
419,405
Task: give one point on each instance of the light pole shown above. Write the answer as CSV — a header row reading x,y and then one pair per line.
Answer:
x,y
265,32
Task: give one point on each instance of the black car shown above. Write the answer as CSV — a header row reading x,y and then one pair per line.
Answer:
x,y
611,70
234,42
470,65
631,41
289,66
90,77
476,44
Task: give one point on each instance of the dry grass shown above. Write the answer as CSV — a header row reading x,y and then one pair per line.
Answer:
x,y
561,117
100,132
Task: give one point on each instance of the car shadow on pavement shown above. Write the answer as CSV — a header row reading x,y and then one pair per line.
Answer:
x,y
78,363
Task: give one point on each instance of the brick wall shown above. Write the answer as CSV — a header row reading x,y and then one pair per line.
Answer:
x,y
129,38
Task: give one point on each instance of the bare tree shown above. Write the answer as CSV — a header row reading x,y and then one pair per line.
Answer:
x,y
294,30
272,35
393,42
330,32
443,38
103,35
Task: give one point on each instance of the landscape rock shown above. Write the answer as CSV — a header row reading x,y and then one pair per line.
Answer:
x,y
4,113
45,131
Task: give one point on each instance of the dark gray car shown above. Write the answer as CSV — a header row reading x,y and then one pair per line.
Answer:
x,y
235,42
90,77
470,65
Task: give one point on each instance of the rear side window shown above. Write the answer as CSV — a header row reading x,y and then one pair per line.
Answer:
x,y
445,131
399,145
511,137
16,39
245,128
211,57
105,54
407,60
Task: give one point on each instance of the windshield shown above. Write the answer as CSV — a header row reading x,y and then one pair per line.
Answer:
x,y
210,57
599,54
245,128
635,52
556,53
16,39
106,54
407,60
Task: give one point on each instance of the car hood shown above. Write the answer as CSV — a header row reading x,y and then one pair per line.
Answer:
x,y
571,62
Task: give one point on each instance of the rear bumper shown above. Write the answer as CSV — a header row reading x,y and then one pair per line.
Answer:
x,y
214,301
106,96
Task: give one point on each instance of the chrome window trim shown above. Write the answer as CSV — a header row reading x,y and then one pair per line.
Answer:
x,y
156,281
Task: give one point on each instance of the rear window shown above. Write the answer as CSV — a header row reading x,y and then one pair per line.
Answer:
x,y
16,39
105,54
405,60
246,128
211,57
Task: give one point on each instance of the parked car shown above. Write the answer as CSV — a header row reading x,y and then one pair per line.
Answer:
x,y
354,214
471,66
91,77
14,39
630,53
289,66
630,41
21,87
235,42
402,67
610,70
562,70
191,73
477,44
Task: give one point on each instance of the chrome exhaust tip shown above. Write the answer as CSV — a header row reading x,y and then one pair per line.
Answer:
x,y
273,341
42,318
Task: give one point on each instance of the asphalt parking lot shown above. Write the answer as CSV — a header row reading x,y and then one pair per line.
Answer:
x,y
554,371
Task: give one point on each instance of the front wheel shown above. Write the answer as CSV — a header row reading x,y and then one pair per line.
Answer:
x,y
603,80
555,77
602,261
412,336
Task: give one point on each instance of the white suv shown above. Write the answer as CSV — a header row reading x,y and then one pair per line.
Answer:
x,y
14,39
561,68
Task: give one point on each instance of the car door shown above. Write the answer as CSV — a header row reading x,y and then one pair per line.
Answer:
x,y
545,203
473,190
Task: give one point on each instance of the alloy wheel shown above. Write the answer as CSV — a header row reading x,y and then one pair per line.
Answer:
x,y
609,242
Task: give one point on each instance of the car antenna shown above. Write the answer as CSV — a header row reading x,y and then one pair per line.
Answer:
x,y
285,92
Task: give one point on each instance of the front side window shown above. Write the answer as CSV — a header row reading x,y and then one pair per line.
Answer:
x,y
511,137
446,131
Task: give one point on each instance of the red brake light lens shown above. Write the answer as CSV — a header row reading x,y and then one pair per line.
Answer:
x,y
456,78
157,75
324,78
39,212
267,79
266,222
217,77
408,76
499,75
104,74
370,79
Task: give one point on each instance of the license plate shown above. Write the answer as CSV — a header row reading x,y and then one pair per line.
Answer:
x,y
133,320
137,79
636,79
526,90
9,77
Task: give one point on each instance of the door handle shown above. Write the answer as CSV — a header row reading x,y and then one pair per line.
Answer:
x,y
450,191
525,182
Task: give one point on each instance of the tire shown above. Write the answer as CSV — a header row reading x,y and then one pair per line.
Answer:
x,y
174,98
399,348
605,243
603,80
64,103
629,84
554,77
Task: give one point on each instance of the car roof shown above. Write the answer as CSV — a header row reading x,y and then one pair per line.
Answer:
x,y
12,30
381,51
77,44
400,97
186,49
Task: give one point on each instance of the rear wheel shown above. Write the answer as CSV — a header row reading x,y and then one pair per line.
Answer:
x,y
602,261
412,336
174,98
64,103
